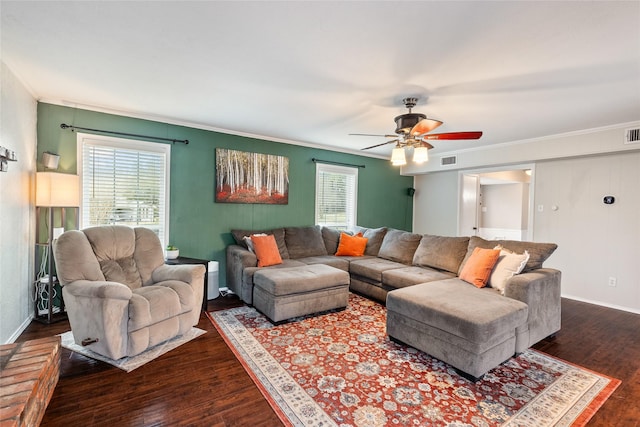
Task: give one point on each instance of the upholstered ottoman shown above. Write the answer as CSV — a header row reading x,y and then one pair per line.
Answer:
x,y
452,320
283,293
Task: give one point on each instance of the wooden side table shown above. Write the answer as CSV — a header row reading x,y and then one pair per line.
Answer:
x,y
186,260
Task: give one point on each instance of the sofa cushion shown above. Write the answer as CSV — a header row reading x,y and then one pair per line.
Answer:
x,y
278,233
441,252
478,267
375,236
538,252
331,238
341,263
372,268
304,241
399,246
408,276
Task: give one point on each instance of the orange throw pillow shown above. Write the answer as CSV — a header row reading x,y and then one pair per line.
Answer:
x,y
266,250
351,245
478,267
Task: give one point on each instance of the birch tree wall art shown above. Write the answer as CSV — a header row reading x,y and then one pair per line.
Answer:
x,y
243,177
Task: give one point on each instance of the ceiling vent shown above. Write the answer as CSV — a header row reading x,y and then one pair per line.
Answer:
x,y
632,136
448,161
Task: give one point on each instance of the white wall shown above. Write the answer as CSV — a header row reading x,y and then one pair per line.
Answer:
x,y
18,114
435,204
505,210
595,241
502,206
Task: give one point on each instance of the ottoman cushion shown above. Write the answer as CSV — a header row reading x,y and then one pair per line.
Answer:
x,y
476,315
308,278
286,293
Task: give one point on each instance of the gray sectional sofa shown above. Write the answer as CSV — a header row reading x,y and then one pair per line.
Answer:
x,y
429,306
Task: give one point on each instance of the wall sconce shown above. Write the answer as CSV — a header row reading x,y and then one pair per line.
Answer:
x,y
6,155
50,160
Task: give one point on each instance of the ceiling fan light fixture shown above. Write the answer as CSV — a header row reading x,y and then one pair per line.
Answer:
x,y
406,122
420,154
397,157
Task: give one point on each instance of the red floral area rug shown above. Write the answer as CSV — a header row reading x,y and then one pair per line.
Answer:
x,y
341,369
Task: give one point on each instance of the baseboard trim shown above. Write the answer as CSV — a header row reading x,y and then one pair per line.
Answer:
x,y
20,330
602,304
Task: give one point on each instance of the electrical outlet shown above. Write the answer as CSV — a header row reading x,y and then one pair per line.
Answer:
x,y
613,281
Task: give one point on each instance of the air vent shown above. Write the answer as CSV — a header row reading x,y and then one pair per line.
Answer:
x,y
633,136
448,161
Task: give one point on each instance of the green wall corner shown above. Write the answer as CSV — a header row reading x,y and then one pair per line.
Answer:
x,y
199,226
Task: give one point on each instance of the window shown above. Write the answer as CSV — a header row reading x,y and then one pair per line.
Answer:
x,y
124,182
336,196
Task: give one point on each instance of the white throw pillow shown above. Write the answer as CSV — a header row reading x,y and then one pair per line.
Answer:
x,y
509,264
249,243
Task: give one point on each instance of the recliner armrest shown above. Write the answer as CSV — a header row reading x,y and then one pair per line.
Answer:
x,y
98,289
188,273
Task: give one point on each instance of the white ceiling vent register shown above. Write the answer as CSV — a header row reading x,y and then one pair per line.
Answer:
x,y
632,136
448,161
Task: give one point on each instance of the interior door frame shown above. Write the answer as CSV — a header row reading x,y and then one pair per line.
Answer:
x,y
519,166
461,205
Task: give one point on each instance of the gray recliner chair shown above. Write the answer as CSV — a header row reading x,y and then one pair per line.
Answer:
x,y
121,297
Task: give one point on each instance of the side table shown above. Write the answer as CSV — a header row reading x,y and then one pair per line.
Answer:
x,y
185,260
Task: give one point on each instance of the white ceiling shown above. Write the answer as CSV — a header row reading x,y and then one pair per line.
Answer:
x,y
313,72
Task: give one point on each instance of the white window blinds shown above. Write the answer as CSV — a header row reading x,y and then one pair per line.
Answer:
x,y
336,196
124,182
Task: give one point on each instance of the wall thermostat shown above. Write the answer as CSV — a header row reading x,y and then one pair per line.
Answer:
x,y
608,200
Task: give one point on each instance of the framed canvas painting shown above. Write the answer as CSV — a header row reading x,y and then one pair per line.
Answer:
x,y
243,177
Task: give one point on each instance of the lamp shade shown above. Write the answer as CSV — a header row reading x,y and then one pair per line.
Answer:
x,y
397,157
420,154
57,189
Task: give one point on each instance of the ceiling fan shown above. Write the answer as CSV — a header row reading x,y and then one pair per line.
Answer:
x,y
412,130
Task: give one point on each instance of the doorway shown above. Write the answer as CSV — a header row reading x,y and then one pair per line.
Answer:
x,y
497,203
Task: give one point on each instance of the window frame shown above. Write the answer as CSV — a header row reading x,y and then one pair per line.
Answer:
x,y
127,144
344,170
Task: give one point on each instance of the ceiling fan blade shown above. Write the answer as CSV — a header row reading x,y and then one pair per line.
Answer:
x,y
454,135
369,134
424,126
379,145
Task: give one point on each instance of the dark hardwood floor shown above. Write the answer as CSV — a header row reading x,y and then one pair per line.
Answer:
x,y
202,383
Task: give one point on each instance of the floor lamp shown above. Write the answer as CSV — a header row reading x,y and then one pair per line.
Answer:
x,y
53,190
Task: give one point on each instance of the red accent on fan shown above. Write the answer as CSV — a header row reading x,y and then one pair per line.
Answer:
x,y
454,135
424,126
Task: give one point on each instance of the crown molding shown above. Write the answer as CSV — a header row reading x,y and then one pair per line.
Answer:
x,y
201,126
541,138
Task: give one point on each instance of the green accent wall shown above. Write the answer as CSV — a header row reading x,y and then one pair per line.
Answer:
x,y
199,226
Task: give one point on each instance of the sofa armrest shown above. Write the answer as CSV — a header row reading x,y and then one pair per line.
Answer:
x,y
238,258
540,290
98,289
